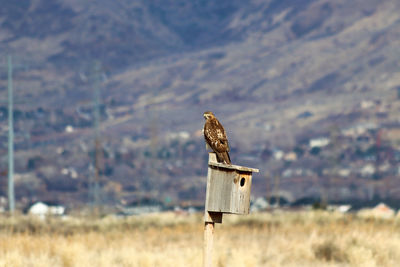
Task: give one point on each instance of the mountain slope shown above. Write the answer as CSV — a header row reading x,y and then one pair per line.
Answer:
x,y
276,73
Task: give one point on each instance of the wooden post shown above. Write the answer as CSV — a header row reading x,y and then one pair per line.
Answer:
x,y
208,243
209,223
228,191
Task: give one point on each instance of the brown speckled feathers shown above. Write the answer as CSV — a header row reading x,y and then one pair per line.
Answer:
x,y
215,136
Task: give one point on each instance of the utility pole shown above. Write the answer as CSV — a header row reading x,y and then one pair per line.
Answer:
x,y
152,183
94,189
154,186
268,186
11,197
276,190
10,184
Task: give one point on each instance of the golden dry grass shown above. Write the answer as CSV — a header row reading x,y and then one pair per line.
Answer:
x,y
263,239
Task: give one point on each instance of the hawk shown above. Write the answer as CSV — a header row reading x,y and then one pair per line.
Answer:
x,y
215,136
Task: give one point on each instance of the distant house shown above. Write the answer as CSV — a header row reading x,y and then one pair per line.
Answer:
x,y
343,208
391,135
339,208
182,135
344,172
259,204
69,129
367,170
366,104
299,172
381,210
278,154
70,171
42,209
359,129
290,156
319,142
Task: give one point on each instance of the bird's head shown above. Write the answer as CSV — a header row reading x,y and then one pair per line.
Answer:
x,y
208,115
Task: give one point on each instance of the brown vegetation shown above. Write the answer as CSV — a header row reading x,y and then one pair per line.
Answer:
x,y
264,239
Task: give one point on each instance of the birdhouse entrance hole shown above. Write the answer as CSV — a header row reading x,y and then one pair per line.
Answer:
x,y
242,181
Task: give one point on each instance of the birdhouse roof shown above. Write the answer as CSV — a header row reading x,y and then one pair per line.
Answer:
x,y
232,167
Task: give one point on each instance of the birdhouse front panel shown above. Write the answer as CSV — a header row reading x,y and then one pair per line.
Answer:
x,y
228,190
240,196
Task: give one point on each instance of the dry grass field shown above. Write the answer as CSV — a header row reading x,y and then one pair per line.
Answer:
x,y
261,239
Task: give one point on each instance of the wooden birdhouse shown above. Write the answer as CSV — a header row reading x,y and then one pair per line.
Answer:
x,y
228,189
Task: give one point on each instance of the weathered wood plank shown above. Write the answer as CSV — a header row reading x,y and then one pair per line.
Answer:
x,y
208,244
228,189
220,188
240,199
213,162
215,217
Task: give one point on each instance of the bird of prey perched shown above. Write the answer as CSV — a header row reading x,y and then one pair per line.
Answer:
x,y
216,138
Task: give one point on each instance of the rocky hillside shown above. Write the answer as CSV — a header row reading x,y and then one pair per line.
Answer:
x,y
275,72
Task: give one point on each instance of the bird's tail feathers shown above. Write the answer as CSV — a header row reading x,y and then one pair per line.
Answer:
x,y
224,157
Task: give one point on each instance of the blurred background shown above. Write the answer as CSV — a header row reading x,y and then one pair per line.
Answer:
x,y
108,96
